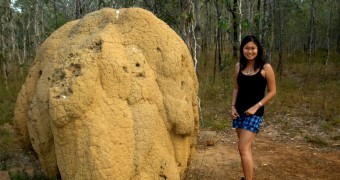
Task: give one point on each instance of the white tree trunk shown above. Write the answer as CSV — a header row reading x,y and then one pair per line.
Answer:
x,y
193,25
3,54
250,11
240,22
36,25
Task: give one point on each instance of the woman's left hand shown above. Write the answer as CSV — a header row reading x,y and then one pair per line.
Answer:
x,y
251,111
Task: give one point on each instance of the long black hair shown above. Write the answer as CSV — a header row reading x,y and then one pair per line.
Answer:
x,y
259,61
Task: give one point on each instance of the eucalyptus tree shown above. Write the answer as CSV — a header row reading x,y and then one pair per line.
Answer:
x,y
218,39
328,36
311,37
258,18
233,7
5,54
279,67
268,37
286,26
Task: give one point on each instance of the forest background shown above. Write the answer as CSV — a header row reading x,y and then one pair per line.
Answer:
x,y
301,40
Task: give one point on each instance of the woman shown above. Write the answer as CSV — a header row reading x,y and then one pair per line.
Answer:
x,y
251,76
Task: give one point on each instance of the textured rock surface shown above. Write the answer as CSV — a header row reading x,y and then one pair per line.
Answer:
x,y
111,96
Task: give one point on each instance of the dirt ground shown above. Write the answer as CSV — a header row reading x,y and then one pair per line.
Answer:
x,y
275,158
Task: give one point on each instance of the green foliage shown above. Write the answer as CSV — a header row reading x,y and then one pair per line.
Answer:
x,y
316,140
53,24
22,175
19,175
222,66
6,137
224,23
2,58
7,102
3,160
246,25
3,165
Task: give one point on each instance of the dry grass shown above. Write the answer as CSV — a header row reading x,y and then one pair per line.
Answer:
x,y
306,105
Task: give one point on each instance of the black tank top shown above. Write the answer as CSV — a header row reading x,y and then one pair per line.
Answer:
x,y
251,89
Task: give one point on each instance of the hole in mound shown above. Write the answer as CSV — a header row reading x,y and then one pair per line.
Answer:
x,y
182,84
125,69
141,74
58,75
75,69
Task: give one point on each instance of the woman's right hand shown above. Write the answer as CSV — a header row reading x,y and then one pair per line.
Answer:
x,y
234,113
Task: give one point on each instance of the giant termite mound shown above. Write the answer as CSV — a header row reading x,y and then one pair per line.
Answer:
x,y
111,96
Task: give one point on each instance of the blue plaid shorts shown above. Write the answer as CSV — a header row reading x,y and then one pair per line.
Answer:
x,y
251,123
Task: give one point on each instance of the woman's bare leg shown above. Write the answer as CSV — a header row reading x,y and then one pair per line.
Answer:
x,y
244,146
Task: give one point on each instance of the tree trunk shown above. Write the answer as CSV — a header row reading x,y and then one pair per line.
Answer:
x,y
79,9
208,30
240,22
26,38
258,19
265,28
338,39
235,26
15,51
328,37
188,27
195,29
218,41
24,49
5,53
311,36
271,40
206,39
4,72
37,34
217,57
328,49
279,68
186,22
3,59
41,26
250,11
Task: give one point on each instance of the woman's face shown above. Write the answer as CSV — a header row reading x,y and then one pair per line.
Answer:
x,y
250,50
